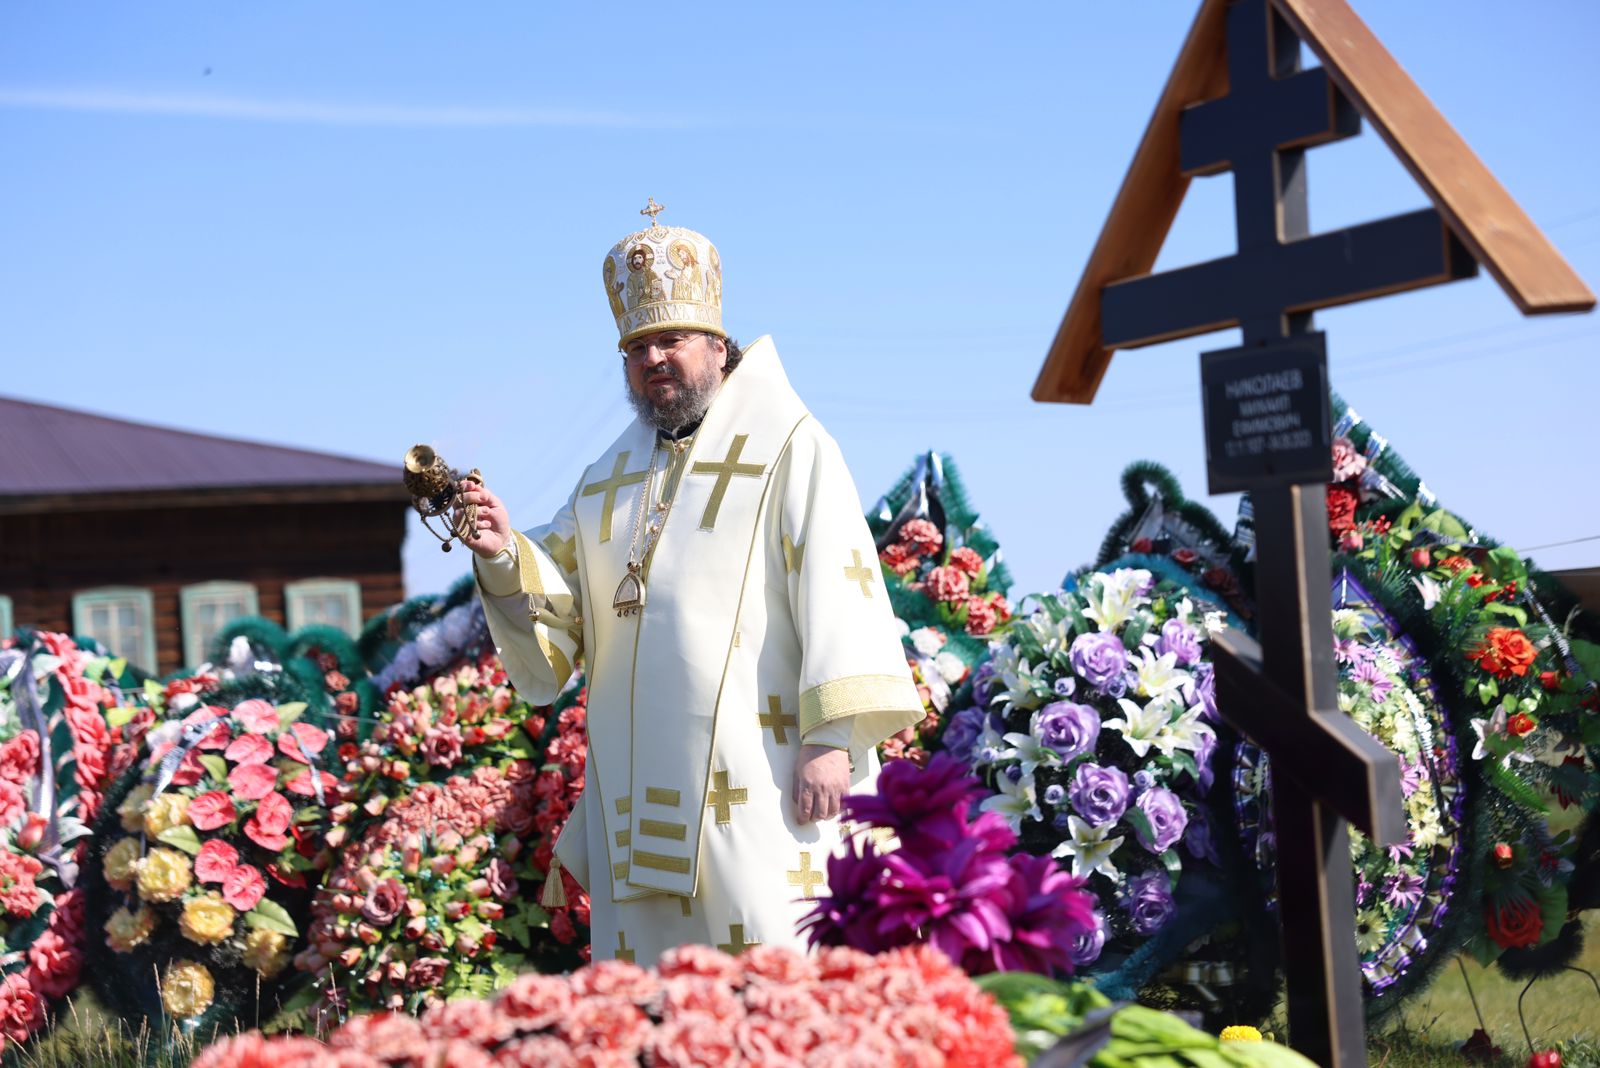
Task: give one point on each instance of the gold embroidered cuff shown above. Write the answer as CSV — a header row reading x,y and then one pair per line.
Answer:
x,y
855,695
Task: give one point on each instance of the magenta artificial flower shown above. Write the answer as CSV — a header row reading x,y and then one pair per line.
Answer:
x,y
920,804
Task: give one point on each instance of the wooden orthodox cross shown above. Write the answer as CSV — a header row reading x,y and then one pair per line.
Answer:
x,y
1237,100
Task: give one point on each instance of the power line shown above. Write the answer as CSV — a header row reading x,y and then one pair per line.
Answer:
x,y
1558,544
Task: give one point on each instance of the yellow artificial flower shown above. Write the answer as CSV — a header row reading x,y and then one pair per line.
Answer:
x,y
122,863
206,919
266,951
164,875
132,808
1240,1033
125,929
165,812
187,989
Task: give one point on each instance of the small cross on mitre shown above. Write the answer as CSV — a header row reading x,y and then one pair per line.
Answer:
x,y
652,209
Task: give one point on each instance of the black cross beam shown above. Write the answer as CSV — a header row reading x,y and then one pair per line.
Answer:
x,y
1273,112
1283,693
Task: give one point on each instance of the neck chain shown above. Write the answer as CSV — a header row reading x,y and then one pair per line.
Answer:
x,y
630,596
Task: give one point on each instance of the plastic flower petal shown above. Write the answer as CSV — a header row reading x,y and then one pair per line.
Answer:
x,y
1089,848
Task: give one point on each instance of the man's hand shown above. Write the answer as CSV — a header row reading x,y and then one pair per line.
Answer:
x,y
494,522
821,778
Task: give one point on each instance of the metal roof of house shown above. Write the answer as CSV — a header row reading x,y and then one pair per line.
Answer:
x,y
48,451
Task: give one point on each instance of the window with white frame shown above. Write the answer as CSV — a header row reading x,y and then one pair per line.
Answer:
x,y
7,620
208,607
331,602
122,618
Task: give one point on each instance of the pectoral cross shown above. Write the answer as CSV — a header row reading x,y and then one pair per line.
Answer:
x,y
860,573
805,878
723,797
609,487
735,944
777,719
652,209
724,471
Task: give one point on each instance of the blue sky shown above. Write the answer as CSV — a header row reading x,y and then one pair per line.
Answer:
x,y
355,226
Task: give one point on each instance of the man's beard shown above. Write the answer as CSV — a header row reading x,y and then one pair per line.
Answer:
x,y
688,404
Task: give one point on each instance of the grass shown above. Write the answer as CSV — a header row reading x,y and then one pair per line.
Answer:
x,y
1561,1012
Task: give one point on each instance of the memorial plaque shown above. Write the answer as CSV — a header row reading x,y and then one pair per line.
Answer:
x,y
1266,415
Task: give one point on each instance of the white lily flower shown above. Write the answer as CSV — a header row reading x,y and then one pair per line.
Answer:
x,y
1495,724
1089,849
1140,726
1184,732
1110,600
1159,676
1015,801
1215,624
1429,588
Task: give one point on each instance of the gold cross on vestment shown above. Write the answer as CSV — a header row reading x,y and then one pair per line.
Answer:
x,y
724,471
735,944
792,555
562,550
776,718
652,209
860,573
622,952
805,878
609,487
723,797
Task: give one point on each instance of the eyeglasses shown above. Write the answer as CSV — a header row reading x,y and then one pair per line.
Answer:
x,y
668,343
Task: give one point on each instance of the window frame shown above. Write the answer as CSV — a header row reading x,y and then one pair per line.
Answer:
x,y
84,600
189,600
349,589
8,619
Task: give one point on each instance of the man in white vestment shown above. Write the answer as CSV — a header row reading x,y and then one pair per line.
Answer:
x,y
713,569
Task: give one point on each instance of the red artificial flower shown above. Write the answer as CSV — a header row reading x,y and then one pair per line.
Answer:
x,y
922,536
1520,724
211,810
249,749
301,783
252,782
215,861
12,803
1502,855
256,716
19,758
244,887
54,965
335,682
1421,559
1141,545
1185,556
1341,509
899,559
21,1008
190,770
1515,924
1456,564
1504,652
1550,680
980,617
966,559
947,584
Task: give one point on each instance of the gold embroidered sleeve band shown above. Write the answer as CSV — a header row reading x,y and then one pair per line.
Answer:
x,y
858,695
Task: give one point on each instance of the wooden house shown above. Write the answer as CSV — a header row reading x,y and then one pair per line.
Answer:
x,y
152,539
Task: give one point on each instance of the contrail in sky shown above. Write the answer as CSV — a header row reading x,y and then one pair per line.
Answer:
x,y
316,112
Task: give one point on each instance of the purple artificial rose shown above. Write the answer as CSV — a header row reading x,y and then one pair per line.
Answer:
x,y
1087,947
1100,660
1149,902
1100,795
1054,794
1167,819
982,682
1179,639
1070,729
1203,751
962,732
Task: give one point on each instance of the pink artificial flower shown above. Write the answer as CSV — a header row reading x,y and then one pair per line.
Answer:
x,y
256,716
611,1023
212,809
215,861
54,965
244,887
922,535
302,741
537,1001
252,782
190,770
21,1008
19,758
947,584
386,1035
615,978
693,959
301,783
966,560
12,803
249,749
469,1020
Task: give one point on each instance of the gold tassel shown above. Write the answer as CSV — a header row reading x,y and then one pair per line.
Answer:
x,y
555,894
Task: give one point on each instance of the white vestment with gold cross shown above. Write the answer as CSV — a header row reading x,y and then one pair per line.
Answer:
x,y
766,624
